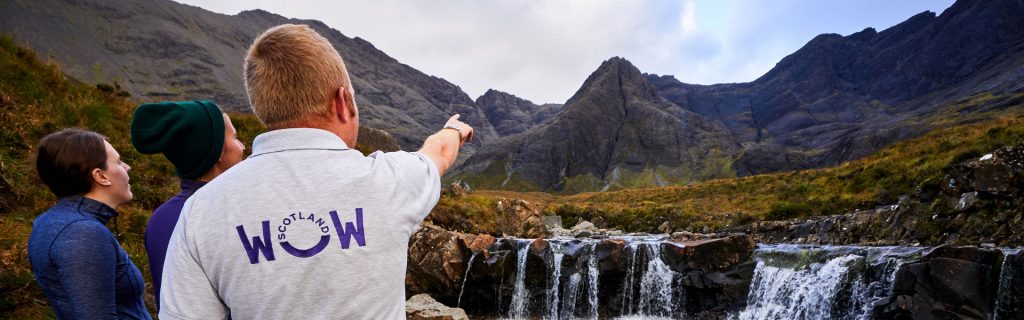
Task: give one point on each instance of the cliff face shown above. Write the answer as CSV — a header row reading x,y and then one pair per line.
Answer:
x,y
162,50
616,131
510,114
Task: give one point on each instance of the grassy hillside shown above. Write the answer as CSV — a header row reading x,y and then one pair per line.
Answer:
x,y
36,99
915,167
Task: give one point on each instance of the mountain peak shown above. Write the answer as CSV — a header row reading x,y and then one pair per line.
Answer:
x,y
615,75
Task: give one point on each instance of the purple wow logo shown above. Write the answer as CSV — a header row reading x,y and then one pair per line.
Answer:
x,y
345,232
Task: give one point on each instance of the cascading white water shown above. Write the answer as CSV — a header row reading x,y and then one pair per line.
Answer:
x,y
464,277
864,292
656,285
592,281
789,281
627,286
553,282
571,292
790,293
517,310
1006,280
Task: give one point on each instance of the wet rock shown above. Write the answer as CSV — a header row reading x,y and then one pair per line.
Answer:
x,y
520,218
583,234
610,254
715,272
423,307
947,282
967,201
709,254
665,227
583,225
435,262
552,222
476,243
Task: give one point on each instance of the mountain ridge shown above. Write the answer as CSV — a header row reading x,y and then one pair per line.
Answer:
x,y
837,98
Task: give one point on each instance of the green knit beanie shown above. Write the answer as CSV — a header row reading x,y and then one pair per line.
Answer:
x,y
190,134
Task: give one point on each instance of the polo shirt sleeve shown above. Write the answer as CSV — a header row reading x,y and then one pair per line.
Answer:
x,y
420,182
187,292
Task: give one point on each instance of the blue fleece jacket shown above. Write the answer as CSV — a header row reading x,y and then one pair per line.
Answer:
x,y
84,272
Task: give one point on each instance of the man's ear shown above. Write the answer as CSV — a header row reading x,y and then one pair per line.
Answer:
x,y
99,177
341,106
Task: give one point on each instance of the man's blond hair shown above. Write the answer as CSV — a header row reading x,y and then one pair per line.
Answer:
x,y
291,74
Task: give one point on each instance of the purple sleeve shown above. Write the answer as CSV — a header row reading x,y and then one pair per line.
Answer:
x,y
158,234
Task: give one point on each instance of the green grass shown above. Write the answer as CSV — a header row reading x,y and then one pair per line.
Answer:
x,y
916,166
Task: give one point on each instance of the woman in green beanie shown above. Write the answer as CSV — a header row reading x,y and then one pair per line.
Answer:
x,y
199,139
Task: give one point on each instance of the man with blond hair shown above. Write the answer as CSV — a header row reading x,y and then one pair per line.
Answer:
x,y
306,227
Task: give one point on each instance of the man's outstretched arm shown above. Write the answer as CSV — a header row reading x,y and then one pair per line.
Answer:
x,y
443,146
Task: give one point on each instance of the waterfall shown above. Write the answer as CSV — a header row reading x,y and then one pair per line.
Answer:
x,y
656,285
1004,300
556,274
571,292
520,296
785,293
647,290
788,281
627,286
592,281
831,282
464,277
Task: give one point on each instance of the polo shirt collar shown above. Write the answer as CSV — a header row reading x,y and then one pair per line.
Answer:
x,y
296,139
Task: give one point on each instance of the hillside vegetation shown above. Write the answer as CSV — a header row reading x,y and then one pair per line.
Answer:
x,y
913,167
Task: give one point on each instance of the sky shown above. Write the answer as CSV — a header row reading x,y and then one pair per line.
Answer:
x,y
544,50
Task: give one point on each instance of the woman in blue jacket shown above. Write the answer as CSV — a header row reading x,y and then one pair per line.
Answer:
x,y
84,271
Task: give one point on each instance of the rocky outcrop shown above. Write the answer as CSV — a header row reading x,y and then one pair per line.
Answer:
x,y
423,307
947,283
615,132
438,259
716,272
520,218
981,202
510,114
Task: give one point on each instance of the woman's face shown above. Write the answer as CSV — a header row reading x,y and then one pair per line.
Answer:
x,y
233,148
114,180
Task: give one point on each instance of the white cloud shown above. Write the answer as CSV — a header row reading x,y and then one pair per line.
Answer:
x,y
543,50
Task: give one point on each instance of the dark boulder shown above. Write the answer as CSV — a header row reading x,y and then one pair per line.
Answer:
x,y
715,273
435,264
946,283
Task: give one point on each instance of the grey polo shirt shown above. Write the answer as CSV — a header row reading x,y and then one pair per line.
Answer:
x,y
305,228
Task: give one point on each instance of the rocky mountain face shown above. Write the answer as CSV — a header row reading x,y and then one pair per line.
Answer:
x,y
840,98
836,99
510,114
616,131
162,50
